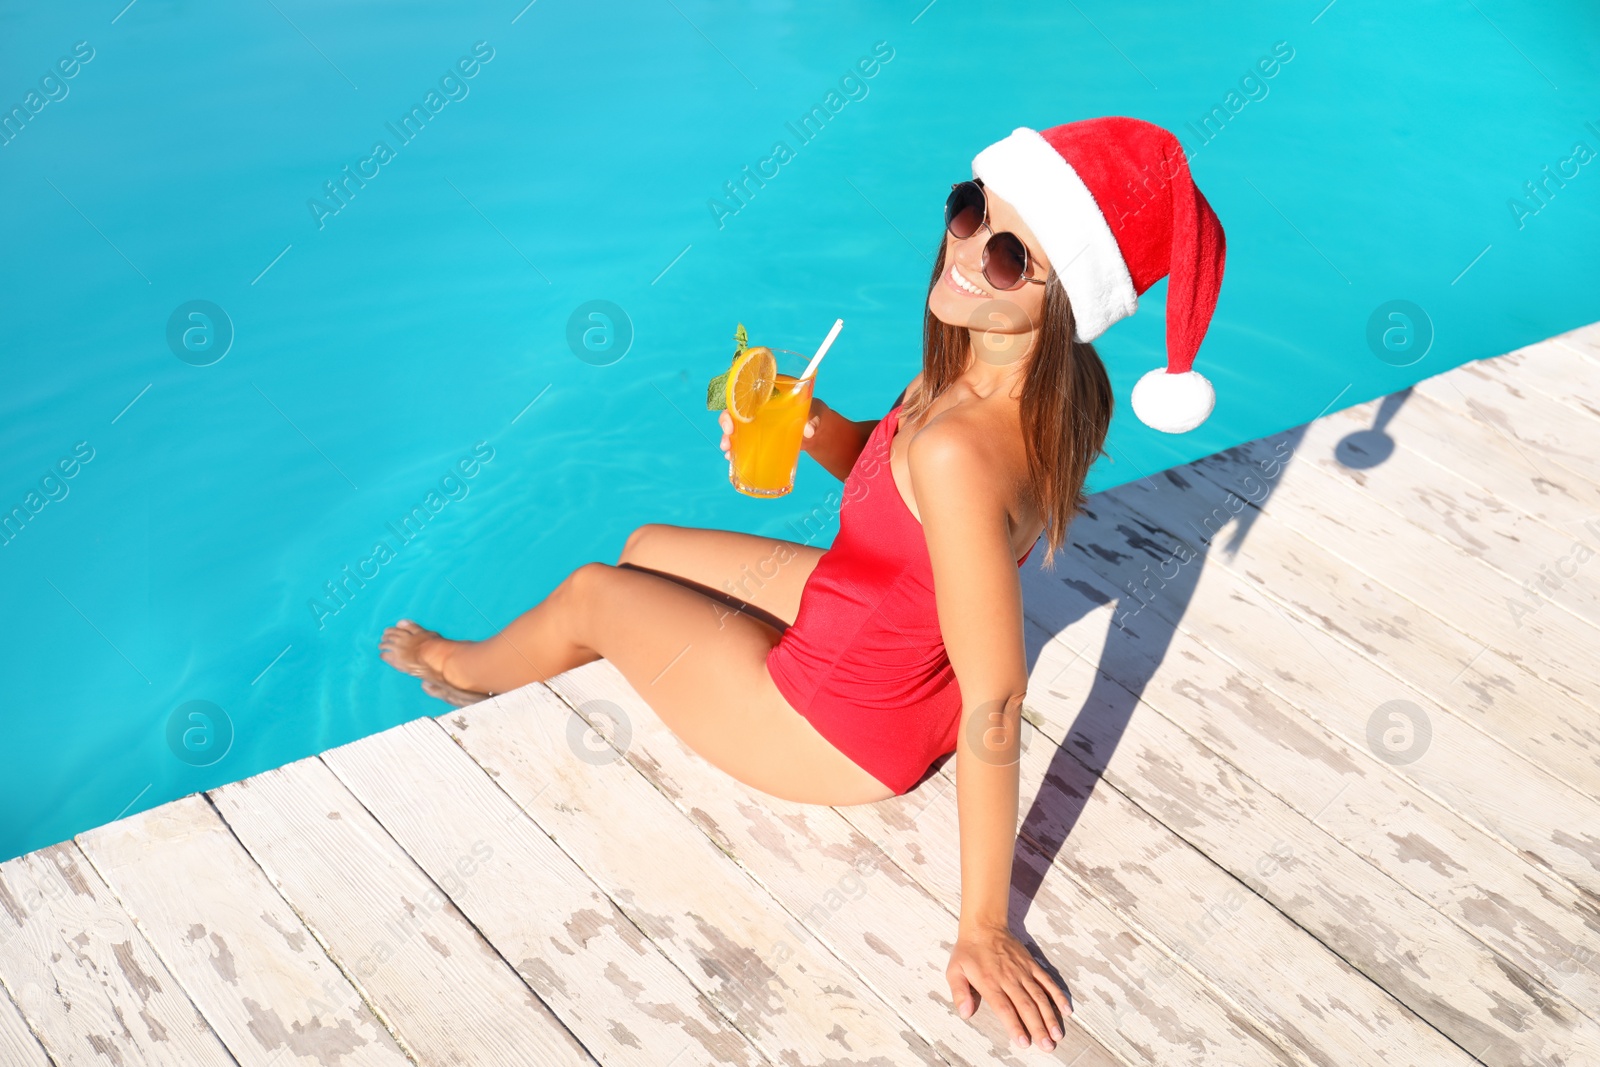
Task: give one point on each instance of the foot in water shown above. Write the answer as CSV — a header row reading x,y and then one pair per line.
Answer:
x,y
410,648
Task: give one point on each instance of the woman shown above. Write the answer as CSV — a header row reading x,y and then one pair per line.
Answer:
x,y
842,676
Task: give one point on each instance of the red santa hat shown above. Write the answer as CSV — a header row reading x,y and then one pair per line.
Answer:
x,y
1113,203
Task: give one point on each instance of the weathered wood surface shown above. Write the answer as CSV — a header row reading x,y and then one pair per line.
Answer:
x,y
775,979
1166,888
252,968
1466,678
1223,853
1585,340
1483,601
1506,701
1542,720
18,1046
1439,970
1449,505
824,872
1344,689
1550,433
446,993
606,981
1454,441
82,975
1558,368
1527,916
1312,1003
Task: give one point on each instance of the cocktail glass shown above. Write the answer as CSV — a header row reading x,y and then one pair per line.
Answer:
x,y
766,450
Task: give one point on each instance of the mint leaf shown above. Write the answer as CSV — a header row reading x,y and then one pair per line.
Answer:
x,y
717,392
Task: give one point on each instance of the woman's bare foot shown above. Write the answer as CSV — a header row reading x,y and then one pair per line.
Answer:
x,y
451,695
410,648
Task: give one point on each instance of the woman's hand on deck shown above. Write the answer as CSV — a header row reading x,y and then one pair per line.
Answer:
x,y
989,963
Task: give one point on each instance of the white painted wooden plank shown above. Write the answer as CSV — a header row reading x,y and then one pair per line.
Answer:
x,y
1501,792
1515,474
1312,1002
246,961
1483,605
1560,372
1464,591
768,835
1480,1000
840,885
779,985
90,987
1460,589
1585,340
1127,990
1552,433
18,1046
1453,508
439,987
1486,603
606,981
1507,702
1539,922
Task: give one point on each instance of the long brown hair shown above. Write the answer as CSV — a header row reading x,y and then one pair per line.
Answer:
x,y
1066,402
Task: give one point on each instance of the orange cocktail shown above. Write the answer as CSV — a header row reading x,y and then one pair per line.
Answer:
x,y
766,449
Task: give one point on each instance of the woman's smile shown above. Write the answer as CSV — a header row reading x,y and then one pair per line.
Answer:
x,y
962,284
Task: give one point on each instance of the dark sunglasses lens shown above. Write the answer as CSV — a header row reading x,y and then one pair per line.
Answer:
x,y
963,212
1004,260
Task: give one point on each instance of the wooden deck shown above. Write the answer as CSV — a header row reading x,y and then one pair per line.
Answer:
x,y
1312,778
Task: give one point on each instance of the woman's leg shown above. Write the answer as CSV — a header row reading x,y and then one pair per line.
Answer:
x,y
741,574
700,667
761,573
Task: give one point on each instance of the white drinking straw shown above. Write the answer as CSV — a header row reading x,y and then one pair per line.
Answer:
x,y
811,368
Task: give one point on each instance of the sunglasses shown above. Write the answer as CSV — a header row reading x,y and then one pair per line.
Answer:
x,y
1005,257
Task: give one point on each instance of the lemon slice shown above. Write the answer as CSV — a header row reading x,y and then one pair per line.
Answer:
x,y
751,379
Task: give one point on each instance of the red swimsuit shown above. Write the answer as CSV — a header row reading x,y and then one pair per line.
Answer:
x,y
865,661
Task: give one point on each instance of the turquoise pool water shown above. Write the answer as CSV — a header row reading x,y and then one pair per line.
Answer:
x,y
390,366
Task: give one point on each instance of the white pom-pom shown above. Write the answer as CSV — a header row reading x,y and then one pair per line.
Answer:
x,y
1173,403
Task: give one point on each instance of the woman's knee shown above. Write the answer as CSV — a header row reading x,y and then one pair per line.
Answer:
x,y
578,592
636,548
586,578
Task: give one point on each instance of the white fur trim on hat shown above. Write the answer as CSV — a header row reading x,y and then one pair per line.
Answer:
x,y
1173,403
1025,171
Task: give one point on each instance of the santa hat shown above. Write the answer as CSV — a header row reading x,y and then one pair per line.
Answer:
x,y
1112,201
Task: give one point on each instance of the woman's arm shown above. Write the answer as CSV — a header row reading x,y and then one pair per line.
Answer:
x,y
833,440
979,600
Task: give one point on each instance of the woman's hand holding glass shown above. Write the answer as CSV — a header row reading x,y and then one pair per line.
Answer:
x,y
725,421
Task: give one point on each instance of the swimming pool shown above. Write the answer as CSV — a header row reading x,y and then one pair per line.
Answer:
x,y
272,387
